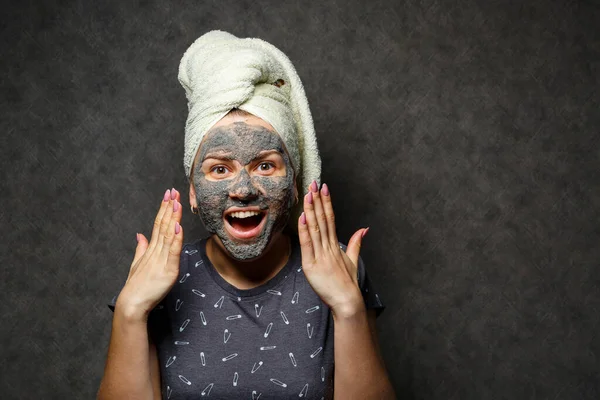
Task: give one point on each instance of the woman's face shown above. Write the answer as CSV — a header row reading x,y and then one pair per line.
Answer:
x,y
243,184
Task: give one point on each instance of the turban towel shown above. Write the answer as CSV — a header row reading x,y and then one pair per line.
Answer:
x,y
220,71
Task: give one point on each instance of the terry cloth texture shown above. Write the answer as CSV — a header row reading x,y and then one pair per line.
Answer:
x,y
220,71
274,341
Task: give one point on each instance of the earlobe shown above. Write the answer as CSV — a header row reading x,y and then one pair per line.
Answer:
x,y
192,195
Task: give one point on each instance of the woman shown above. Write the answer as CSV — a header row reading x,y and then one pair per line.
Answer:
x,y
255,310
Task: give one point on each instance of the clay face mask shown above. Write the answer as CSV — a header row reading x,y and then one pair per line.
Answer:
x,y
241,203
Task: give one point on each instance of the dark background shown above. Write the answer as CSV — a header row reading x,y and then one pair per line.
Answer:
x,y
465,134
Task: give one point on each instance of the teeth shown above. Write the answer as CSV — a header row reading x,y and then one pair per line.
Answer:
x,y
244,214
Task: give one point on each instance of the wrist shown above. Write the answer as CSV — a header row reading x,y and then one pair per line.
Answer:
x,y
349,309
130,313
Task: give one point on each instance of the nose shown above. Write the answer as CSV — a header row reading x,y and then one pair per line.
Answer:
x,y
243,189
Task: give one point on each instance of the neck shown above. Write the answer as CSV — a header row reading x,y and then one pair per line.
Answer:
x,y
249,274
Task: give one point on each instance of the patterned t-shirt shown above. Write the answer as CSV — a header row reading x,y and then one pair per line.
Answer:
x,y
274,341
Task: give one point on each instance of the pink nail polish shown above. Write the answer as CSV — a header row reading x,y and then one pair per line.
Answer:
x,y
310,198
167,195
303,218
175,206
365,232
173,194
314,187
177,227
325,190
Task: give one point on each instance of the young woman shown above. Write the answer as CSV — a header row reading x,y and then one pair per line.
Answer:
x,y
256,309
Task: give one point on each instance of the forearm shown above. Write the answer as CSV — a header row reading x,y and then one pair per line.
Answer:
x,y
127,370
359,371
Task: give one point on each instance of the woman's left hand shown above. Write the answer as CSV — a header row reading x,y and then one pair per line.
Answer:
x,y
331,272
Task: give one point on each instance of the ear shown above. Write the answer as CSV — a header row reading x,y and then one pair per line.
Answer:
x,y
192,195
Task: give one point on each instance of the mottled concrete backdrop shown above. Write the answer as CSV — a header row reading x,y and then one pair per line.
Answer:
x,y
465,134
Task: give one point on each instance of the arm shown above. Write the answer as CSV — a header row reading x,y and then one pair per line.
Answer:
x,y
132,369
359,368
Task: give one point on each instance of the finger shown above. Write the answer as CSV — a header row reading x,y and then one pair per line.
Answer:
x,y
175,247
158,220
311,223
319,213
354,244
142,245
166,228
306,245
329,216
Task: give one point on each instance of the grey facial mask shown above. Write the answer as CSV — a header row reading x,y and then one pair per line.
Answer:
x,y
274,195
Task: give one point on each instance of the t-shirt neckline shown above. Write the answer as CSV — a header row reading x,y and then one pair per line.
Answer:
x,y
293,259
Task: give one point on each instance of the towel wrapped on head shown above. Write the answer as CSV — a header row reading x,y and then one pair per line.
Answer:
x,y
220,71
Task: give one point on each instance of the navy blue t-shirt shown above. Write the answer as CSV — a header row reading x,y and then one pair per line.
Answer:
x,y
274,341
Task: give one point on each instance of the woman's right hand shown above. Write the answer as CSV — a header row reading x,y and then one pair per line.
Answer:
x,y
155,266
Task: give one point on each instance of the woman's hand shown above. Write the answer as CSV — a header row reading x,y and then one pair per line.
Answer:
x,y
331,272
155,266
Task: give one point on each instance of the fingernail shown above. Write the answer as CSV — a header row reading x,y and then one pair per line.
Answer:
x,y
314,187
175,206
173,194
177,227
325,190
167,195
310,199
303,218
365,232
137,237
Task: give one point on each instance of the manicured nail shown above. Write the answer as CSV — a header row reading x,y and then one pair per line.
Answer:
x,y
167,195
325,190
177,227
364,232
303,218
314,187
310,199
175,206
173,193
137,237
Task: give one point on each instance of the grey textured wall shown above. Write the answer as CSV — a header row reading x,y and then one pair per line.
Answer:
x,y
464,133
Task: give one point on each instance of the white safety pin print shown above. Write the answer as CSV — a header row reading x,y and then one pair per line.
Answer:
x,y
198,293
317,351
170,361
312,309
299,269
278,382
219,302
284,318
255,368
275,292
184,278
267,347
303,391
180,343
235,378
378,301
268,329
202,318
293,359
309,330
178,304
229,357
254,396
185,323
231,317
322,374
169,391
202,359
185,380
295,298
188,252
226,335
206,390
257,310
198,263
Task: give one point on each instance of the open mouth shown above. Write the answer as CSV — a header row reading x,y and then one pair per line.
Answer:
x,y
245,224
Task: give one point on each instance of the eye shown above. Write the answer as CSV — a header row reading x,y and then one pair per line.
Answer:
x,y
219,170
265,166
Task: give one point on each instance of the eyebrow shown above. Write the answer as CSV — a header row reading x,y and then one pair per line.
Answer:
x,y
229,157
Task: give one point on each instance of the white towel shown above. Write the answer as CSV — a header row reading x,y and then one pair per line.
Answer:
x,y
220,71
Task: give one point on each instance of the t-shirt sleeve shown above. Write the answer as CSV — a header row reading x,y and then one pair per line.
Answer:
x,y
371,296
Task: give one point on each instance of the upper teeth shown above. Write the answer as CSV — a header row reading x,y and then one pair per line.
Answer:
x,y
244,214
